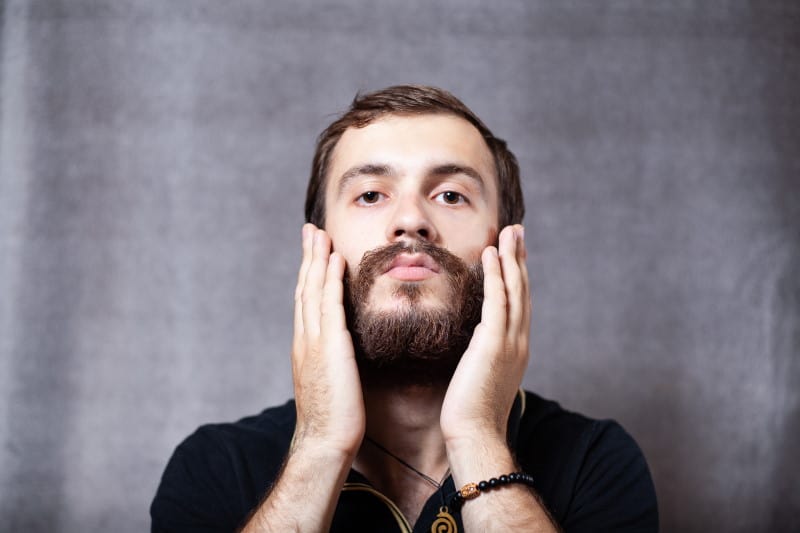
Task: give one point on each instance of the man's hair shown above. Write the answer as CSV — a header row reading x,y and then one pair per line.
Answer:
x,y
412,100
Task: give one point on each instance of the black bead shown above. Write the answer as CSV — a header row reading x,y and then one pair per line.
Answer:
x,y
483,485
493,482
514,477
503,480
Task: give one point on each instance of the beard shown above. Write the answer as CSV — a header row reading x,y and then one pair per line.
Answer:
x,y
414,345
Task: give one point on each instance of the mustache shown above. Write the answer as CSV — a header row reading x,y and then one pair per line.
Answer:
x,y
375,262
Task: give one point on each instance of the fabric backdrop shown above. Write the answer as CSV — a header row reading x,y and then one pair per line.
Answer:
x,y
153,160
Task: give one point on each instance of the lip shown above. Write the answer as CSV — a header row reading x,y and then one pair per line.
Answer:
x,y
412,267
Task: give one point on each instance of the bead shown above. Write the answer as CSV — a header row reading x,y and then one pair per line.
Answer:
x,y
503,480
493,482
483,485
469,491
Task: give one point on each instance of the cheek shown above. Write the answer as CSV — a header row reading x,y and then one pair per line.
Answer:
x,y
353,242
492,236
352,255
342,240
471,252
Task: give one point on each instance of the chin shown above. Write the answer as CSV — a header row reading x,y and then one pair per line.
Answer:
x,y
405,296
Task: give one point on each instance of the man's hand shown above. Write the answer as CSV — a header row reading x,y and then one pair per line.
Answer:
x,y
478,402
482,391
328,398
330,404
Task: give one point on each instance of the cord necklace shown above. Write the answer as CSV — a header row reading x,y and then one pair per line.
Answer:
x,y
444,523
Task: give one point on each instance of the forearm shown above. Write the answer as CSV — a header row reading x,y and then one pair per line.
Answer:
x,y
304,497
513,507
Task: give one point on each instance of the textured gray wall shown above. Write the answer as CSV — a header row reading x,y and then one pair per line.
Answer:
x,y
153,158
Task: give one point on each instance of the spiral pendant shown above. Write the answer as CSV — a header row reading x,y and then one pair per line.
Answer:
x,y
444,523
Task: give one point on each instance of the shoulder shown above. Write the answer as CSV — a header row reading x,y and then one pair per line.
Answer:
x,y
271,429
591,473
219,472
263,438
546,427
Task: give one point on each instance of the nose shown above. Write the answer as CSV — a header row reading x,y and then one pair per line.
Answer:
x,y
410,220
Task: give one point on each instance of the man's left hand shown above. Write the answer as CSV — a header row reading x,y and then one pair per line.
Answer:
x,y
486,381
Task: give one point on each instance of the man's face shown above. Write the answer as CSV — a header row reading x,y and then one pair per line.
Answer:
x,y
404,179
411,202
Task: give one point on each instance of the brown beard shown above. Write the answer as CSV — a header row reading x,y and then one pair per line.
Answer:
x,y
414,346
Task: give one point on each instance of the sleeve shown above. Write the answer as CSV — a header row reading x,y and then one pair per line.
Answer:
x,y
613,488
198,489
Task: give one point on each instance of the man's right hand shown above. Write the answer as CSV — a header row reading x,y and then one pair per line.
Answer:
x,y
328,396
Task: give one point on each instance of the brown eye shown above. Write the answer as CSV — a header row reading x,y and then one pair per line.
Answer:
x,y
369,197
451,198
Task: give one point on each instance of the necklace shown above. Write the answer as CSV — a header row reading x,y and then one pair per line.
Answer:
x,y
429,479
444,522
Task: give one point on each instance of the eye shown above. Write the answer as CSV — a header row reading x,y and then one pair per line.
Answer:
x,y
451,198
369,197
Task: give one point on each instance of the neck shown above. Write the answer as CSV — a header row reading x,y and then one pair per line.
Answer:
x,y
406,422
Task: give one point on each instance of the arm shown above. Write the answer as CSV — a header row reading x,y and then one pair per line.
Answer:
x,y
330,405
478,402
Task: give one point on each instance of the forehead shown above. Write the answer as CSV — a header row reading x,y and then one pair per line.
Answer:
x,y
413,143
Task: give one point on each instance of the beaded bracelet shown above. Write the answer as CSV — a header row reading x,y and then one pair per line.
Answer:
x,y
473,490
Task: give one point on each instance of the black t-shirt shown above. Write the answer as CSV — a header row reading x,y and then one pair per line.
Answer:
x,y
590,475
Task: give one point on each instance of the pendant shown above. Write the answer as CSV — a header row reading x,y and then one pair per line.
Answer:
x,y
444,523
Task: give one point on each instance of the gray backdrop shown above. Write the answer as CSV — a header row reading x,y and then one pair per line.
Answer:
x,y
154,158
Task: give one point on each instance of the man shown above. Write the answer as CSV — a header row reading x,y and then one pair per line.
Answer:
x,y
411,330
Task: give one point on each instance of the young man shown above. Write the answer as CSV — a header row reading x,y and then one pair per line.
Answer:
x,y
411,330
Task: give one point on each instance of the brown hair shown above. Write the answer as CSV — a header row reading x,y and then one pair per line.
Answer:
x,y
412,100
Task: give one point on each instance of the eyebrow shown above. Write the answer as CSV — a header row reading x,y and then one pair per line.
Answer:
x,y
452,168
369,169
372,169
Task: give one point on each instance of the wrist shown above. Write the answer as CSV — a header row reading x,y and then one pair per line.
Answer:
x,y
324,448
479,457
326,438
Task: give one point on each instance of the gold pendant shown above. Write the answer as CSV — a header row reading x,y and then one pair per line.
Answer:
x,y
444,523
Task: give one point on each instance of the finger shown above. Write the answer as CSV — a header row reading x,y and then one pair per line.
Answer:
x,y
315,280
522,259
307,233
493,311
512,278
333,317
